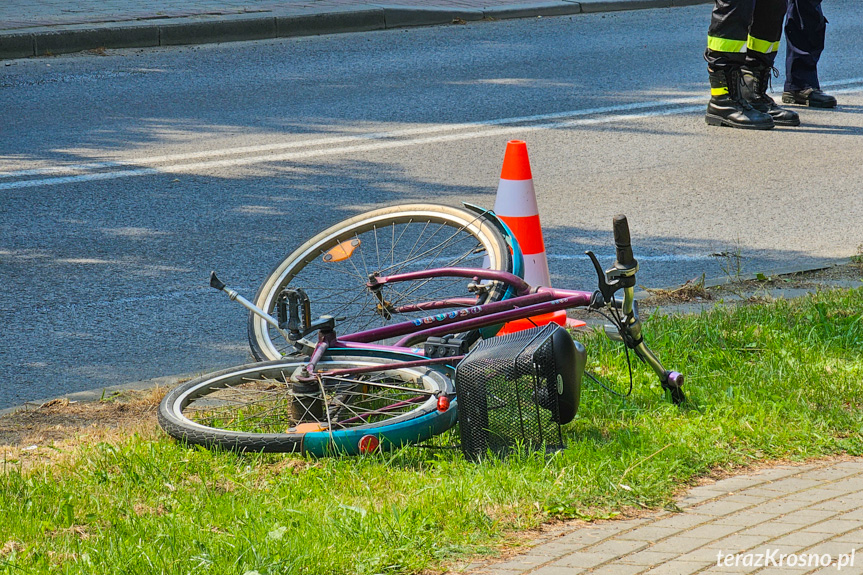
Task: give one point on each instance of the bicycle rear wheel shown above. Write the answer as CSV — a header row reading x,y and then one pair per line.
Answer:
x,y
258,407
334,267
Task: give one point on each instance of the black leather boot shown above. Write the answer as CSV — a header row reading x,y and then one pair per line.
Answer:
x,y
728,108
754,89
812,97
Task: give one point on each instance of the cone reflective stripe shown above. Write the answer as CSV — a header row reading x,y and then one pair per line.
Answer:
x,y
516,205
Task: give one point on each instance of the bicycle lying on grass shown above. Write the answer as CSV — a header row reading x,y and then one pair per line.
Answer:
x,y
418,293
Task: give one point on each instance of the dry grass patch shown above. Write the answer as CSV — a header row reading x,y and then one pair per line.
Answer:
x,y
692,290
10,547
53,431
142,510
755,291
78,531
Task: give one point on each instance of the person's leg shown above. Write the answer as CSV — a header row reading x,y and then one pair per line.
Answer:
x,y
805,30
726,37
762,45
725,55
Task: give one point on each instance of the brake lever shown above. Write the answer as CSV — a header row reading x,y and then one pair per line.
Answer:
x,y
606,288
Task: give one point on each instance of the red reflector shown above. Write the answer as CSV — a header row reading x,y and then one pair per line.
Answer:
x,y
369,443
442,403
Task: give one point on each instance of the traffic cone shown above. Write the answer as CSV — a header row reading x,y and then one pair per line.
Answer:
x,y
516,205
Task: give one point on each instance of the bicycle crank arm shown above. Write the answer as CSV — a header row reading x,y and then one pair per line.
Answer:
x,y
218,284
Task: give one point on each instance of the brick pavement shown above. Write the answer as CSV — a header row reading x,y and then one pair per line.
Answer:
x,y
778,517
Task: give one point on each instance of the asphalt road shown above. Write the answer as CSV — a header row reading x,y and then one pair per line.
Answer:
x,y
126,178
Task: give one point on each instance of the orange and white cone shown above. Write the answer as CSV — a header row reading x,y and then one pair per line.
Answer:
x,y
516,205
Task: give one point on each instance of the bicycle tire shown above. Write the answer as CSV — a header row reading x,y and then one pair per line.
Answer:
x,y
230,409
445,237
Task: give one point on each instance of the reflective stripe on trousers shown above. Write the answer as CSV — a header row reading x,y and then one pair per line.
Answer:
x,y
744,31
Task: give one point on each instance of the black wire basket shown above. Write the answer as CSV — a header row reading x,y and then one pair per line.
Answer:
x,y
515,391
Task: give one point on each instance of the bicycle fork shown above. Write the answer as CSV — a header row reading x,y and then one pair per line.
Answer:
x,y
621,276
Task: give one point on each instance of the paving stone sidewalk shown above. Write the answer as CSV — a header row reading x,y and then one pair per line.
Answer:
x,y
792,519
29,28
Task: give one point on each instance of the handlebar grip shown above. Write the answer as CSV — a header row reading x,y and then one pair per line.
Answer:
x,y
622,243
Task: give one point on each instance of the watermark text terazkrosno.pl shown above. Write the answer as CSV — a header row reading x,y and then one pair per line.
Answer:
x,y
775,558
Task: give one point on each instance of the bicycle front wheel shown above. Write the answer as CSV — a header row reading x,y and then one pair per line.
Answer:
x,y
334,268
261,407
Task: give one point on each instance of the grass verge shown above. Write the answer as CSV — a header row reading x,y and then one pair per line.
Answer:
x,y
777,381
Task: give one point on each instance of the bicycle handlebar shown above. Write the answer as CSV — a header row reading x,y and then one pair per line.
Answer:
x,y
622,243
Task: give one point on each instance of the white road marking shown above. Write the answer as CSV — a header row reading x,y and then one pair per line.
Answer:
x,y
306,154
373,141
72,168
657,258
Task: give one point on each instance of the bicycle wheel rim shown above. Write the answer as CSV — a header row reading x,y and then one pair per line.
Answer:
x,y
228,409
388,241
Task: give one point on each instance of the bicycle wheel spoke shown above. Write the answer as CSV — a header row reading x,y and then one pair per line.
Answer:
x,y
232,418
357,273
410,255
377,245
440,246
363,415
245,405
389,241
411,258
396,242
257,407
381,384
366,416
327,270
404,296
230,398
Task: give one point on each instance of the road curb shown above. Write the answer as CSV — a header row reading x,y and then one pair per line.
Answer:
x,y
208,31
101,392
775,272
593,6
156,32
409,17
533,10
296,25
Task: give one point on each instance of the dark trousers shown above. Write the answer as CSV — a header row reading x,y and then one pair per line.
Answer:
x,y
805,28
744,32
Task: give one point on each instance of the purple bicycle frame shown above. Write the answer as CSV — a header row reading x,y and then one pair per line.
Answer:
x,y
528,302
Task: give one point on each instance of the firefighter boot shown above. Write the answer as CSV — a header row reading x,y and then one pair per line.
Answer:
x,y
754,89
728,108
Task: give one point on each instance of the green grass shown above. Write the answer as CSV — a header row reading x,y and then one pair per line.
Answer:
x,y
765,382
